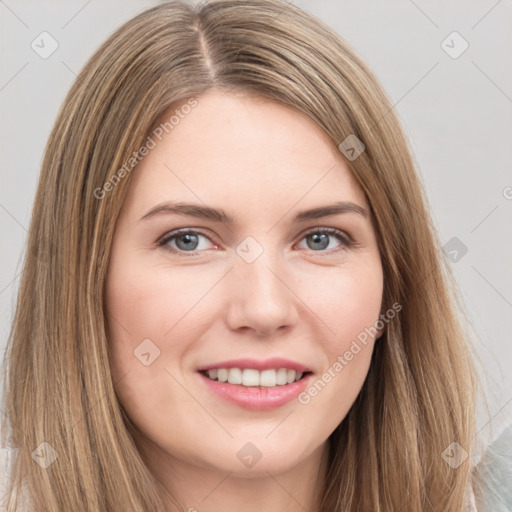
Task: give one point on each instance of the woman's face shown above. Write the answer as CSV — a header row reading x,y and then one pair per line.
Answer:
x,y
262,286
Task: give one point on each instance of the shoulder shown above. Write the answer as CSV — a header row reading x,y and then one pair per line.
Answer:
x,y
6,465
6,455
490,488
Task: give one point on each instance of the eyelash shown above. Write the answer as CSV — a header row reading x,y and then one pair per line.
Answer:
x,y
344,239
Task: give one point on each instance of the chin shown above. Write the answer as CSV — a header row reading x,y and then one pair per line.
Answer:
x,y
257,459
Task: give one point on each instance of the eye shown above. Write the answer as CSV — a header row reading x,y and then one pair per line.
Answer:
x,y
319,238
189,241
186,240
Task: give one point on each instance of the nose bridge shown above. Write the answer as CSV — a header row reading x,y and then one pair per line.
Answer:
x,y
259,297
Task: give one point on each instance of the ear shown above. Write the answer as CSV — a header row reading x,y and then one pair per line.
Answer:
x,y
380,332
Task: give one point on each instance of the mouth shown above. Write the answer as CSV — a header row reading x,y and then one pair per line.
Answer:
x,y
256,385
253,378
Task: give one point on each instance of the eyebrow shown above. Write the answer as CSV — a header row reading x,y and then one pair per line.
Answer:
x,y
219,215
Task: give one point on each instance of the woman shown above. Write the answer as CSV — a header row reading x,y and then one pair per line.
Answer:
x,y
305,355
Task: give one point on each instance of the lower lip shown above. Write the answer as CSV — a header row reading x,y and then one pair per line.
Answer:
x,y
257,398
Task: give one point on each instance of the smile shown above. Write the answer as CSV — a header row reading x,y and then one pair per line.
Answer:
x,y
250,377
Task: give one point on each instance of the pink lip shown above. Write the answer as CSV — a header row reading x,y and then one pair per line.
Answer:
x,y
267,364
257,397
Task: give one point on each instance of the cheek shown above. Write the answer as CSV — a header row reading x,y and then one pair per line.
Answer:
x,y
156,314
348,304
349,307
148,322
153,303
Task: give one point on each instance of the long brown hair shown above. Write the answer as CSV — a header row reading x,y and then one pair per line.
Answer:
x,y
418,398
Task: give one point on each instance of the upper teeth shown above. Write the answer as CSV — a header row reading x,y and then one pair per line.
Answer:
x,y
251,377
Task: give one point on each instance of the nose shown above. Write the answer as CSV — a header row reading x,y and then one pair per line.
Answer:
x,y
260,297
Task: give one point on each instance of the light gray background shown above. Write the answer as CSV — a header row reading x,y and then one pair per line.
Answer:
x,y
456,112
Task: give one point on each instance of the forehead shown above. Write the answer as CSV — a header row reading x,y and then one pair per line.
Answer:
x,y
243,151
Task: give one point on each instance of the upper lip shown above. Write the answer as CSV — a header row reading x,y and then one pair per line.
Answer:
x,y
266,364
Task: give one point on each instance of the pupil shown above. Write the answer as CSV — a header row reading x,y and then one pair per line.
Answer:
x,y
317,239
190,239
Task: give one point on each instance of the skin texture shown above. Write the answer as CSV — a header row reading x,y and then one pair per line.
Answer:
x,y
262,163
